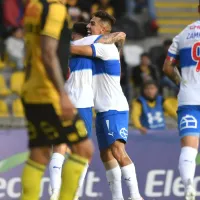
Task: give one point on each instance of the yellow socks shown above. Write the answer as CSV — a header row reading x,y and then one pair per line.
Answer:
x,y
72,171
31,178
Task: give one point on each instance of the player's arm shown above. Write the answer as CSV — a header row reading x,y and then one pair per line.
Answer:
x,y
50,35
81,50
117,38
135,116
171,71
112,38
95,50
51,62
49,43
171,61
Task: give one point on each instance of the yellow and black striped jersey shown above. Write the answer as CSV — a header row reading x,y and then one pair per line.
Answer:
x,y
49,18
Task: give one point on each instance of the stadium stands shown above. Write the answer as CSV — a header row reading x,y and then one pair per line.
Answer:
x,y
2,65
129,51
16,82
155,52
138,41
174,15
4,111
17,108
4,91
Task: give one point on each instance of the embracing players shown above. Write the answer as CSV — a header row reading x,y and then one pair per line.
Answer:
x,y
80,89
185,51
112,108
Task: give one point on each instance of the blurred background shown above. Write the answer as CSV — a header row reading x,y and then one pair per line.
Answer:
x,y
150,26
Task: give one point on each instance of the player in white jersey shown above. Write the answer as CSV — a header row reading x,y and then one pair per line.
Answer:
x,y
185,51
76,87
112,109
79,88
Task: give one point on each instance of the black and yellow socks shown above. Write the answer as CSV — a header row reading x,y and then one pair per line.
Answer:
x,y
72,171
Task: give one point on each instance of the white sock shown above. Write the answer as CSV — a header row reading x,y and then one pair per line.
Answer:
x,y
129,175
55,169
114,180
81,181
187,164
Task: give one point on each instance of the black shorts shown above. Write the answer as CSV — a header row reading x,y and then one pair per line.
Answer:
x,y
45,127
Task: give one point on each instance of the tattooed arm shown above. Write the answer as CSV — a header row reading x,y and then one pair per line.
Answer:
x,y
117,37
171,71
112,38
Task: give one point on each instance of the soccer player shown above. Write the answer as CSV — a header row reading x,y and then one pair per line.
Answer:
x,y
52,119
185,51
112,109
79,88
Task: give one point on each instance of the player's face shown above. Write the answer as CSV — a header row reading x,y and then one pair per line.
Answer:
x,y
95,26
151,91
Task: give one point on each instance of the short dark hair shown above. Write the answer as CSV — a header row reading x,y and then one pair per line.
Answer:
x,y
104,16
80,28
145,54
168,42
147,83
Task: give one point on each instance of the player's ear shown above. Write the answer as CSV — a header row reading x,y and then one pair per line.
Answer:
x,y
103,30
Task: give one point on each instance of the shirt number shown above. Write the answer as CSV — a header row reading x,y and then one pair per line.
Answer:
x,y
196,55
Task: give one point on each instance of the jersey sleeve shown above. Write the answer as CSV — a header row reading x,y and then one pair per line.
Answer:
x,y
54,21
87,40
173,52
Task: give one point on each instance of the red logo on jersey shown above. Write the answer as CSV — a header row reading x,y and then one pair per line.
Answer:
x,y
196,55
194,27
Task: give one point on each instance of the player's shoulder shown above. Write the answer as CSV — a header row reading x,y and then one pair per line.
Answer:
x,y
180,38
108,51
112,50
190,27
87,40
194,25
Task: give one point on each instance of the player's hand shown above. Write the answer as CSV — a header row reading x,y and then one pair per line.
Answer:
x,y
68,111
121,36
143,130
